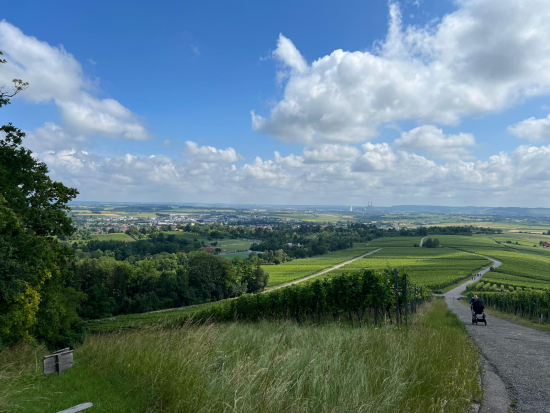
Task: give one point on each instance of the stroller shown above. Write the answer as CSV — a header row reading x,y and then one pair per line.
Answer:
x,y
478,313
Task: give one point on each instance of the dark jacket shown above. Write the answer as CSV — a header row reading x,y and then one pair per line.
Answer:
x,y
478,306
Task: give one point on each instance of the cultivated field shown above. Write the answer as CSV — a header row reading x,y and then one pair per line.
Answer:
x,y
522,265
294,270
435,268
112,237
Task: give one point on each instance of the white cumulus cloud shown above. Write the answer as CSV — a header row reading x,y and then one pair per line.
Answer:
x,y
532,129
486,56
209,154
431,139
55,75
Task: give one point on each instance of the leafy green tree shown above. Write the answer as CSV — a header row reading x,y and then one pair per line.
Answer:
x,y
33,211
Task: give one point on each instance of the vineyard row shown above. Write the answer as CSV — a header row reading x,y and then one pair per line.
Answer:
x,y
356,295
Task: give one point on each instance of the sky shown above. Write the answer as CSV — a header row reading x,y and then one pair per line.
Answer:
x,y
291,102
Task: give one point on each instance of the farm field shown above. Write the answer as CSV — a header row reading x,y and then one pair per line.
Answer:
x,y
233,244
434,268
522,266
395,242
527,240
251,367
112,237
294,270
243,255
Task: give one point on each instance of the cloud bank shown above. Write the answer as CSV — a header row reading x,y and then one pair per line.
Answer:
x,y
485,57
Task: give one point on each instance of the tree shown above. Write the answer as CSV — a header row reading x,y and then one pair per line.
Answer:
x,y
33,211
18,86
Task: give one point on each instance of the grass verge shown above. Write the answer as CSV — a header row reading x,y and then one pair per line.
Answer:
x,y
430,366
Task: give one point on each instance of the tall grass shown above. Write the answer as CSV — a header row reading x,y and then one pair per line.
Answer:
x,y
430,366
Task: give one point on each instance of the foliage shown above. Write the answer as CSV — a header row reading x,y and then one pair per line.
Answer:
x,y
162,281
534,304
431,243
33,210
258,367
350,294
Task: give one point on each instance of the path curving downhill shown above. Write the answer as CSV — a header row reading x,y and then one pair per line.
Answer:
x,y
516,359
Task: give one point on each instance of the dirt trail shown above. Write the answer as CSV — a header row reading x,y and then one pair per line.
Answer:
x,y
321,272
516,358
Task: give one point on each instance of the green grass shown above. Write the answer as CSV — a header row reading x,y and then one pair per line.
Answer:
x,y
296,269
406,242
431,366
243,255
112,237
233,244
132,321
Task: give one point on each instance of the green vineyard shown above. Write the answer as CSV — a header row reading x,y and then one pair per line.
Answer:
x,y
300,268
355,295
434,268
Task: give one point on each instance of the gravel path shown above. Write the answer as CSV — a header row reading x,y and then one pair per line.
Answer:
x,y
517,355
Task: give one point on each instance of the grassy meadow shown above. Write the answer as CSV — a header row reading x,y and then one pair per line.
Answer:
x,y
429,366
112,237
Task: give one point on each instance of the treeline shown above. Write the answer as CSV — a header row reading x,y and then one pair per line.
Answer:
x,y
360,295
155,244
308,240
431,243
454,230
164,281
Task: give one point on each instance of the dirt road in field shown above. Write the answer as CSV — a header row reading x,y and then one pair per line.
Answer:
x,y
309,277
516,360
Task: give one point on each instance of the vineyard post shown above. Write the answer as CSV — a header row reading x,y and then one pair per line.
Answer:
x,y
405,297
396,299
415,298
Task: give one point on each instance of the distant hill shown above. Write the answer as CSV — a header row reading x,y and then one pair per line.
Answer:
x,y
498,211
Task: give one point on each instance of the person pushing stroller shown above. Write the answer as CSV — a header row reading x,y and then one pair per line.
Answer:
x,y
477,307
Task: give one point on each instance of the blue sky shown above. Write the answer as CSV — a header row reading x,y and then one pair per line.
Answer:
x,y
345,131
